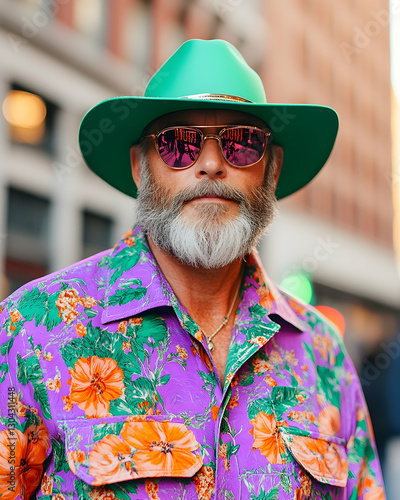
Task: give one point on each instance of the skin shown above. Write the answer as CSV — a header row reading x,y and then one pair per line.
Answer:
x,y
206,293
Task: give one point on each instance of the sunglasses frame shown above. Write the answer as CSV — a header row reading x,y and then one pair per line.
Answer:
x,y
204,137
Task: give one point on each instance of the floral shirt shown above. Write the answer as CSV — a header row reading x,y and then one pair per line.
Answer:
x,y
108,391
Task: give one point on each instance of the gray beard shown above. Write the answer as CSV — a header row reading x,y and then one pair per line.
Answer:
x,y
209,242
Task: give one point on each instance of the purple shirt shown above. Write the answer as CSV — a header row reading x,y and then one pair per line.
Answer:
x,y
108,391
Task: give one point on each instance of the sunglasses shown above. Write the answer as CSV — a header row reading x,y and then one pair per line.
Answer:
x,y
242,146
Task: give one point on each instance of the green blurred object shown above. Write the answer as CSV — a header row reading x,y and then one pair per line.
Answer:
x,y
299,285
206,74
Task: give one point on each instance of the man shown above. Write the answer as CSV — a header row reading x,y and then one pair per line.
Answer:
x,y
171,367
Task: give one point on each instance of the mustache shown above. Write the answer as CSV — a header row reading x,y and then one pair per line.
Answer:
x,y
208,188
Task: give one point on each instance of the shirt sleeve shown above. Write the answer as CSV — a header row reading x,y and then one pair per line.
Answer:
x,y
24,437
365,476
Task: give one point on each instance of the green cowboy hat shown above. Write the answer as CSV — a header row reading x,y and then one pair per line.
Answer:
x,y
206,74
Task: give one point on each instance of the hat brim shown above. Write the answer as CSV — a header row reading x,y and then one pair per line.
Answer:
x,y
306,133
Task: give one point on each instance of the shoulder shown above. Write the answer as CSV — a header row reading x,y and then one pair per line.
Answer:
x,y
47,300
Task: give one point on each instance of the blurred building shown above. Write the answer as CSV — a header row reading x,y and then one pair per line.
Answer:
x,y
339,229
60,57
333,240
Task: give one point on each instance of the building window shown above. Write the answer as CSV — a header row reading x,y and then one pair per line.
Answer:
x,y
27,241
89,18
30,118
97,233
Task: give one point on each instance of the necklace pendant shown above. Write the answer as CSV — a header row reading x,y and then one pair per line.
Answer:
x,y
210,345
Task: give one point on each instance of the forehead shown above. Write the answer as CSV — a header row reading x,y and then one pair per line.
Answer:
x,y
197,117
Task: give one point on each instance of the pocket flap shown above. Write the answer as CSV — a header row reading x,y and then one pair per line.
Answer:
x,y
105,451
324,459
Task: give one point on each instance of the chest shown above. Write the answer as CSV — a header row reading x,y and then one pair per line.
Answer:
x,y
150,381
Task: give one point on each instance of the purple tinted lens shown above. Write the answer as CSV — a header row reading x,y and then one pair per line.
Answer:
x,y
243,146
179,147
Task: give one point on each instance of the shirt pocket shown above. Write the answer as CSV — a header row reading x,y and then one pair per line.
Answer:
x,y
121,448
323,457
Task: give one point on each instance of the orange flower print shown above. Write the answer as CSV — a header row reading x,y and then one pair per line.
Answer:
x,y
267,299
15,316
68,404
21,466
126,345
80,330
66,303
182,352
296,306
376,493
227,464
259,341
261,365
290,357
21,408
111,461
300,398
275,357
305,486
299,416
320,458
270,381
58,496
163,448
47,485
122,327
329,421
199,335
222,450
214,412
135,321
321,400
151,489
204,481
233,402
304,368
322,345
88,302
94,383
47,356
267,437
54,384
77,456
298,378
101,493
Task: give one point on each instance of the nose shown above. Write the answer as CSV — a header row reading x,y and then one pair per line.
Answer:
x,y
211,162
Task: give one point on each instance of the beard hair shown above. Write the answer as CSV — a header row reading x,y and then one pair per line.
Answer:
x,y
208,242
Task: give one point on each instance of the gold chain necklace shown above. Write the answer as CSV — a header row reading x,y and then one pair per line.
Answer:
x,y
210,343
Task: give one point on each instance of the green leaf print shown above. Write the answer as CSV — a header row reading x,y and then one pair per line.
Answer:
x,y
60,462
3,371
272,494
164,379
120,492
29,370
127,294
100,431
263,404
328,384
41,307
284,398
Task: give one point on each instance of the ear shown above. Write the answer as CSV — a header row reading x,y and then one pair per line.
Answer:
x,y
135,165
278,163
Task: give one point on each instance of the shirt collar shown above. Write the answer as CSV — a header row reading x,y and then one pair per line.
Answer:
x,y
135,284
274,300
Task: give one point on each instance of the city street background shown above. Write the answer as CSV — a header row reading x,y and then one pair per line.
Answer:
x,y
336,243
